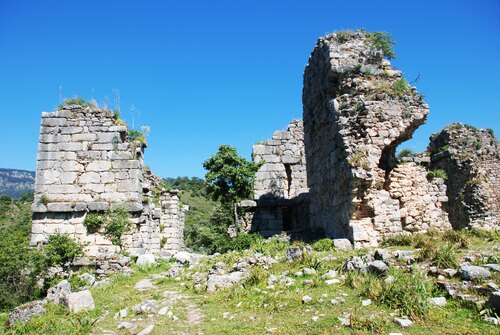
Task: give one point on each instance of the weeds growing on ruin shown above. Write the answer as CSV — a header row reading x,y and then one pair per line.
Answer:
x,y
437,173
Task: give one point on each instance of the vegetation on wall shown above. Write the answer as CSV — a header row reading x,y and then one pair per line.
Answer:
x,y
114,223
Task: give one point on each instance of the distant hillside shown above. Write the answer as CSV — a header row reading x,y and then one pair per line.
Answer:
x,y
16,182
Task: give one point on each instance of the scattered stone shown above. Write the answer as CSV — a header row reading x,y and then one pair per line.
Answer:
x,y
58,294
494,302
493,267
332,281
88,278
382,255
439,301
472,272
366,302
342,244
378,268
309,271
306,299
389,279
355,263
450,273
122,314
126,325
163,311
272,279
330,274
147,330
146,307
218,282
25,312
146,260
405,255
345,320
144,284
80,301
492,320
403,322
294,253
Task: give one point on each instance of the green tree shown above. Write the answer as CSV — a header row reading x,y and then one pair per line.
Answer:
x,y
230,177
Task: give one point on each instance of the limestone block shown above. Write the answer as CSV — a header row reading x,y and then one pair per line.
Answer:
x,y
98,206
71,130
90,177
119,155
64,189
98,166
68,177
129,186
113,197
53,122
60,207
103,146
126,164
86,137
72,166
69,146
94,188
107,177
111,137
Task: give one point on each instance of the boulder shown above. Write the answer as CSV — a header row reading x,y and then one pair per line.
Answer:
x,y
80,301
146,260
342,244
494,302
382,255
472,272
146,307
378,268
299,252
439,301
355,263
218,282
403,322
58,294
25,312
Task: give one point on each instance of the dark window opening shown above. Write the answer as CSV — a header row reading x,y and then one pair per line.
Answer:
x,y
288,170
287,218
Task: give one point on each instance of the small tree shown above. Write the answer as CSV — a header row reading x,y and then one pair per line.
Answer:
x,y
230,177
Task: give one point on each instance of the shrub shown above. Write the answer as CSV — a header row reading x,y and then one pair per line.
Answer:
x,y
398,240
163,241
458,237
405,153
117,223
21,267
491,132
383,41
446,256
44,199
325,244
136,136
400,87
438,173
93,222
358,160
62,250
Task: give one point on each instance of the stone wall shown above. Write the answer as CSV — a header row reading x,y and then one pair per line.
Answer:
x,y
357,110
86,163
280,184
471,159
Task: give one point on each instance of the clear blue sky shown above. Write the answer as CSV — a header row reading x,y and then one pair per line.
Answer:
x,y
205,73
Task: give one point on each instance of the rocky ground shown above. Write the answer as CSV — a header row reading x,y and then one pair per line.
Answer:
x,y
434,283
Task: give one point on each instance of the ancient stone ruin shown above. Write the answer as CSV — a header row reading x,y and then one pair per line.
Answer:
x,y
471,159
357,110
87,164
280,184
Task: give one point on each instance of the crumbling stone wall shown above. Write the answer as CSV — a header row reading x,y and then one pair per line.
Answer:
x,y
471,159
86,163
357,110
280,184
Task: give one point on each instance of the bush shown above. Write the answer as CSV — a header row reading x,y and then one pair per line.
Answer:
x,y
405,153
62,250
383,41
446,257
400,87
398,240
325,244
93,222
21,267
438,173
117,223
136,136
458,237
